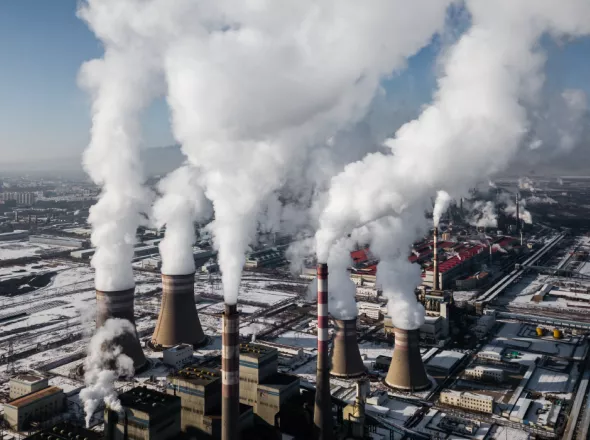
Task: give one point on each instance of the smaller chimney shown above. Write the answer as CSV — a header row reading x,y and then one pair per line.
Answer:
x,y
230,374
517,213
346,357
120,304
435,283
322,416
406,371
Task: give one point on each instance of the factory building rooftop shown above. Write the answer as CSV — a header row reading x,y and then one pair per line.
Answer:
x,y
65,431
146,400
29,398
198,375
29,378
256,350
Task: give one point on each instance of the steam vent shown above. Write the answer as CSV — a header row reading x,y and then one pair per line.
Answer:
x,y
406,371
119,304
346,357
178,322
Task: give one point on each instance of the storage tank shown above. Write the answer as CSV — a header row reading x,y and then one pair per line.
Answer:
x,y
540,331
557,334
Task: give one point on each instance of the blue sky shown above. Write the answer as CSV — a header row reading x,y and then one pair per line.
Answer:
x,y
44,114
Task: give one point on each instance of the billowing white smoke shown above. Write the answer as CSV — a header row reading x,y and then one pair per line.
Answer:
x,y
398,278
105,363
252,86
499,248
483,214
440,206
341,289
182,204
121,84
526,183
560,180
492,184
510,208
540,200
475,124
571,130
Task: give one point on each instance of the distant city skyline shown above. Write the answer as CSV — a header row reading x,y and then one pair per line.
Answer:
x,y
44,115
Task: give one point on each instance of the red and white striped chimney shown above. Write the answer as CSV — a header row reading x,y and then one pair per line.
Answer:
x,y
435,283
230,374
322,416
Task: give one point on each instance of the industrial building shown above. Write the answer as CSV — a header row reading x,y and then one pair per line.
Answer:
x,y
261,386
146,415
485,373
65,431
55,240
27,383
472,401
178,356
38,406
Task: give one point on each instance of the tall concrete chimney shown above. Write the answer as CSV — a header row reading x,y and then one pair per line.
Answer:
x,y
346,357
322,415
406,371
435,283
178,321
517,213
230,374
119,304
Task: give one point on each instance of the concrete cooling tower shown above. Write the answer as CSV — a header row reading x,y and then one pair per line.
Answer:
x,y
178,321
406,371
346,357
119,304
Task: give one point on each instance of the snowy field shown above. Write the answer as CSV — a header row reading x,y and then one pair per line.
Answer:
x,y
10,250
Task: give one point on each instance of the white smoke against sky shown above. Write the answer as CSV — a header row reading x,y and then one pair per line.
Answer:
x,y
121,84
105,363
510,207
473,128
540,200
182,203
443,199
253,86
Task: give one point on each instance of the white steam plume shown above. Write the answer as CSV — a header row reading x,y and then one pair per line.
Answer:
x,y
105,363
121,84
440,206
254,85
483,214
510,208
398,278
473,128
181,205
341,289
540,200
499,248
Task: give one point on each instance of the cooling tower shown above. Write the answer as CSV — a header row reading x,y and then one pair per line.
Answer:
x,y
178,321
435,282
406,371
322,416
119,304
346,357
230,374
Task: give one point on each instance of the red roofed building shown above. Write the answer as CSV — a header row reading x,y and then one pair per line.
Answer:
x,y
458,265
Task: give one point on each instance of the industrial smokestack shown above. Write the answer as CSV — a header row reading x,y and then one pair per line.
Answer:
x,y
322,416
517,214
230,374
435,284
178,321
406,371
346,357
119,304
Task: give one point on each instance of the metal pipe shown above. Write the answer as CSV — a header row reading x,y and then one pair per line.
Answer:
x,y
230,374
322,416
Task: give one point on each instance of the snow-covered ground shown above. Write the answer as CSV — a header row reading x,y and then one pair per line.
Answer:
x,y
10,250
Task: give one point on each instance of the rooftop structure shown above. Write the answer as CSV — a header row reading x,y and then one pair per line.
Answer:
x,y
65,431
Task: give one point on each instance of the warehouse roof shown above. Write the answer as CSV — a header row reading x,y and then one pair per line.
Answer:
x,y
33,397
